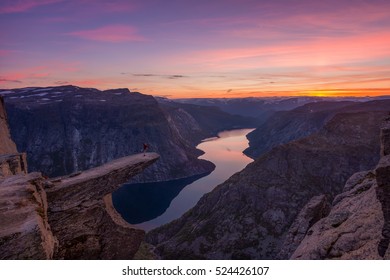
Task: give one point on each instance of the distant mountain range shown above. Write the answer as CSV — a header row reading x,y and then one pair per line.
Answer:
x,y
263,107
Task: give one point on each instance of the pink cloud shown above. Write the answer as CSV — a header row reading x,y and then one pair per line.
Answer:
x,y
111,33
286,25
28,73
39,74
314,52
19,6
6,52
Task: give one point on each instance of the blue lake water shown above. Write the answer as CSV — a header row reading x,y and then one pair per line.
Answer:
x,y
150,205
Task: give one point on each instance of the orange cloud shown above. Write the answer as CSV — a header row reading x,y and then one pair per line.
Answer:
x,y
30,73
39,75
111,33
313,52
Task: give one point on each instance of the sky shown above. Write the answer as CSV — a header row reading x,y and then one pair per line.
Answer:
x,y
198,48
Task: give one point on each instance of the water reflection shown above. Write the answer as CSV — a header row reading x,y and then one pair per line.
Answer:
x,y
152,204
138,203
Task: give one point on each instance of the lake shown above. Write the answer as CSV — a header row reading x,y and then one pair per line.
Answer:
x,y
149,205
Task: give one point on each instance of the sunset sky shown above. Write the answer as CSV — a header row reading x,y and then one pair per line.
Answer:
x,y
197,48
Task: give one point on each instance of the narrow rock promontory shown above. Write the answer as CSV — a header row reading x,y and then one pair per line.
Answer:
x,y
81,214
70,217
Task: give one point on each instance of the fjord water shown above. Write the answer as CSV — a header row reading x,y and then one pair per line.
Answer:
x,y
149,205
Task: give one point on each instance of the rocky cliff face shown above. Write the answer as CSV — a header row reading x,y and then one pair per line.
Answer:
x,y
69,129
203,121
11,162
285,126
69,217
25,232
358,225
249,215
7,145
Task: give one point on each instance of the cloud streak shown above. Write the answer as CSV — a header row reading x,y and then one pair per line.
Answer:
x,y
20,6
4,80
111,33
315,52
171,77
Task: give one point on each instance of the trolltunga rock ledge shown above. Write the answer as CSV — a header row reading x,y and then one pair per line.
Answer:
x,y
81,215
70,217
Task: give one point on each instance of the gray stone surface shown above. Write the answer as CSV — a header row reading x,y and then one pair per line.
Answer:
x,y
317,208
25,232
351,231
85,224
13,164
358,226
70,217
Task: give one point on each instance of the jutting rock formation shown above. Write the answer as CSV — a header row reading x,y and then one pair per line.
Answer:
x,y
82,217
64,218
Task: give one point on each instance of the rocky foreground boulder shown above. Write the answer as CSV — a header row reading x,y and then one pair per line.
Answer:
x,y
358,225
70,217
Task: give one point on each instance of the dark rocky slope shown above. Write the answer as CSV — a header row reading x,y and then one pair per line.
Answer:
x,y
249,215
204,121
67,129
7,145
358,225
285,126
11,162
